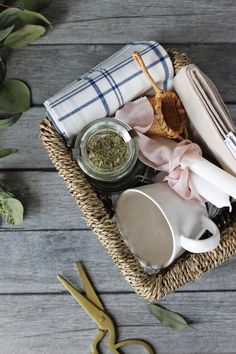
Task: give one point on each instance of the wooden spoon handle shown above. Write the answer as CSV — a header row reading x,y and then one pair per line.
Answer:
x,y
138,59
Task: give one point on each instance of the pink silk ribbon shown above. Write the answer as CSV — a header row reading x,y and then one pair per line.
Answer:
x,y
166,155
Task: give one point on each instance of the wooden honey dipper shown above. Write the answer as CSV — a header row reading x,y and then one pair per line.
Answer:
x,y
170,116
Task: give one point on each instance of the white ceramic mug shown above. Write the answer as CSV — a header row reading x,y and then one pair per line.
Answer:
x,y
158,225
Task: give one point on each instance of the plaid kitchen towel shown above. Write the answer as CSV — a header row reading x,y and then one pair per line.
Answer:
x,y
108,86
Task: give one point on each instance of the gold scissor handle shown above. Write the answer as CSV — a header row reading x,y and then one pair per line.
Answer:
x,y
96,340
142,343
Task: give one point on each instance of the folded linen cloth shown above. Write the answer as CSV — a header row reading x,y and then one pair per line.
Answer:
x,y
210,122
108,86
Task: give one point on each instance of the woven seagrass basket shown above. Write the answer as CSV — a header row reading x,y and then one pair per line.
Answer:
x,y
151,287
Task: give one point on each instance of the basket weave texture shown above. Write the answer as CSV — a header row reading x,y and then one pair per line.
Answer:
x,y
151,287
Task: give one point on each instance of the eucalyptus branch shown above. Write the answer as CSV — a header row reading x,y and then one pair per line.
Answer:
x,y
18,28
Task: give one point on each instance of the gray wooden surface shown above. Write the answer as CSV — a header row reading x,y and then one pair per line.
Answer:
x,y
36,314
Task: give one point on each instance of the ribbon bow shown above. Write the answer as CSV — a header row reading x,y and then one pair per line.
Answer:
x,y
189,174
179,177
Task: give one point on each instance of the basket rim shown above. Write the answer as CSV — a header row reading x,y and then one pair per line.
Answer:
x,y
151,287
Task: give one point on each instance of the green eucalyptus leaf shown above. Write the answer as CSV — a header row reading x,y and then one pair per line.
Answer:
x,y
24,36
2,70
12,210
5,32
8,16
35,5
6,152
167,317
33,18
8,119
4,194
14,96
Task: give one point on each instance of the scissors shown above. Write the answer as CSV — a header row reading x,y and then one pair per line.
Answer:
x,y
94,308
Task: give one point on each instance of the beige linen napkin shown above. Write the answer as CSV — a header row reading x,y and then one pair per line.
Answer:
x,y
210,123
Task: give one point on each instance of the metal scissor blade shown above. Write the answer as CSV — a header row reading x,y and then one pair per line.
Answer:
x,y
90,292
86,304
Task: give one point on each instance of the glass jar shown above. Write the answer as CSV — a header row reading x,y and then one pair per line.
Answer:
x,y
107,151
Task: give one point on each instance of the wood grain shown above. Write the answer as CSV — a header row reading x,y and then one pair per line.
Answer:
x,y
37,316
55,324
48,203
24,135
60,65
111,21
37,256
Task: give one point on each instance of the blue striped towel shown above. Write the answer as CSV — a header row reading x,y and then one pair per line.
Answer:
x,y
108,86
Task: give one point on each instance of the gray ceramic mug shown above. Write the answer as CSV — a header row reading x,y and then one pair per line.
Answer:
x,y
158,225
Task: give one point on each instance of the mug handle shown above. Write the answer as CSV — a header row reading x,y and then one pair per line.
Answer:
x,y
200,246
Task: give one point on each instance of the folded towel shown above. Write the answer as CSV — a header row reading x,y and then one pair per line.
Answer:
x,y
108,86
210,122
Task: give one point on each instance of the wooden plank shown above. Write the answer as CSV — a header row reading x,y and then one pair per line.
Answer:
x,y
57,325
34,259
48,203
24,135
109,21
57,66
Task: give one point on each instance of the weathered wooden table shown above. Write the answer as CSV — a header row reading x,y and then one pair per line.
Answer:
x,y
36,314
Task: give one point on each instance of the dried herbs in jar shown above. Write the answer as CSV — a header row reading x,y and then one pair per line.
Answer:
x,y
108,154
107,150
